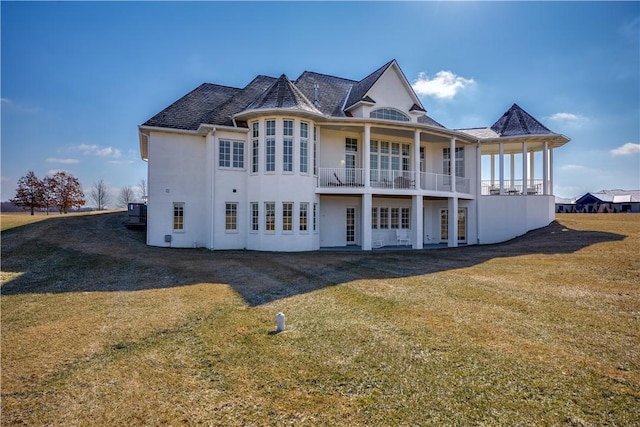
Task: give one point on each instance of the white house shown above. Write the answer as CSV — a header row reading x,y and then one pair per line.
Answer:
x,y
326,161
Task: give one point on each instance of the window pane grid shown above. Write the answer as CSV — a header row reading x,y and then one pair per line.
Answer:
x,y
287,155
389,114
271,155
231,216
287,216
304,211
270,216
178,216
255,218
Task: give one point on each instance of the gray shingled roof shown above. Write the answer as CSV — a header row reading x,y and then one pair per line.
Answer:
x,y
331,91
426,120
282,94
192,109
223,115
312,92
516,121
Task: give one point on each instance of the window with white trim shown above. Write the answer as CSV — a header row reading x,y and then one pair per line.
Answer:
x,y
304,147
315,151
270,216
395,214
231,154
315,217
231,216
255,144
446,161
287,146
178,216
389,114
384,218
255,216
390,218
270,152
287,216
405,218
304,216
374,218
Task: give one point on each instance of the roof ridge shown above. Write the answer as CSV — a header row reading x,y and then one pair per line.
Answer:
x,y
325,75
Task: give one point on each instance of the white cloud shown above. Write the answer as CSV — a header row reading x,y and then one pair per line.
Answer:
x,y
445,84
627,149
96,150
63,161
577,168
564,117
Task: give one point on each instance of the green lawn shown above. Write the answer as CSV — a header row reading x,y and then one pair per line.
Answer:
x,y
98,329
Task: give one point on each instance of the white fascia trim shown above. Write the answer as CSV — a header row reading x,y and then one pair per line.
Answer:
x,y
205,128
277,112
143,128
410,126
553,138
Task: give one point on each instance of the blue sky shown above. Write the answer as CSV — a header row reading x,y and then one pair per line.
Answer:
x,y
79,77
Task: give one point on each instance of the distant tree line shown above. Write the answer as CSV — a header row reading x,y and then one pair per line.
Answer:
x,y
61,191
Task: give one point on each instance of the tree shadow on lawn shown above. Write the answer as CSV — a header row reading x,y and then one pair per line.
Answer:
x,y
97,253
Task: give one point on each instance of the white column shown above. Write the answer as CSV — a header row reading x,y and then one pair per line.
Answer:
x,y
524,169
367,155
501,168
532,171
452,219
416,158
210,153
545,168
493,170
417,212
478,170
512,171
452,163
551,192
366,221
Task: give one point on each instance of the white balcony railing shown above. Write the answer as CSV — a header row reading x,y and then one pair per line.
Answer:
x,y
512,188
440,182
340,177
390,179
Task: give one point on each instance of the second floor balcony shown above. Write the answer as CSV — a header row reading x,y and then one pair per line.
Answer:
x,y
400,181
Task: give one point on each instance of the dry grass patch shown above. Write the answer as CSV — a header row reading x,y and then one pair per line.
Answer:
x,y
542,330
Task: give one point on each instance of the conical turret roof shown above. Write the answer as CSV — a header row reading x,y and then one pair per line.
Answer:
x,y
282,94
516,122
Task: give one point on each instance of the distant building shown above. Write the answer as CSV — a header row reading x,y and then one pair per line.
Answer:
x,y
326,161
603,201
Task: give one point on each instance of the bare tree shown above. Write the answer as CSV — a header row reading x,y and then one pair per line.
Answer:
x,y
100,195
126,196
30,192
142,189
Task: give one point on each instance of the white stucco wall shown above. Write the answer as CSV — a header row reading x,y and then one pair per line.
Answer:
x,y
333,220
505,217
177,173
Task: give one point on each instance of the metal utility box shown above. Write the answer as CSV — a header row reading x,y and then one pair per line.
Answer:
x,y
137,215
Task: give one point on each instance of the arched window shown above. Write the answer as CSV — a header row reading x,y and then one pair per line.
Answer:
x,y
389,114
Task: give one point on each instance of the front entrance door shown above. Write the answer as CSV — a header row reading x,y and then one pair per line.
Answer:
x,y
351,226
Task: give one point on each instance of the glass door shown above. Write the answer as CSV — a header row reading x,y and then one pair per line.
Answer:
x,y
351,226
462,225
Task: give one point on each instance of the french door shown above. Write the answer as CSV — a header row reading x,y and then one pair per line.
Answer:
x,y
462,225
351,226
